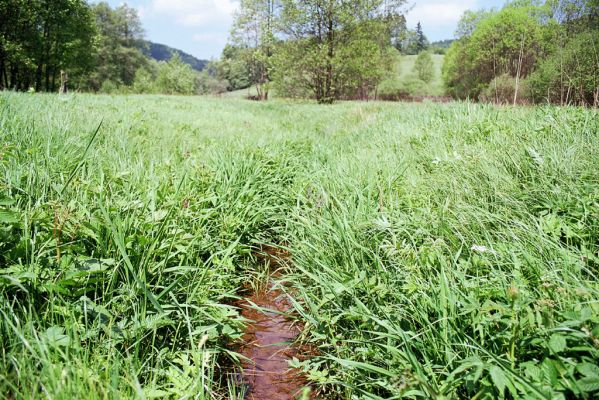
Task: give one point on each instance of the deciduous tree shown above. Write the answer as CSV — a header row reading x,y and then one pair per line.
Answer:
x,y
254,34
318,34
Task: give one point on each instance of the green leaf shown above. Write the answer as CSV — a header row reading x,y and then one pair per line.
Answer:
x,y
589,384
534,372
550,371
499,378
538,159
55,336
8,217
557,343
589,370
363,366
151,393
159,215
4,201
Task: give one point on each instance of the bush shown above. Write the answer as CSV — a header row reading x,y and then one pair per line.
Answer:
x,y
208,84
502,89
503,42
569,75
424,67
175,77
109,87
144,81
395,89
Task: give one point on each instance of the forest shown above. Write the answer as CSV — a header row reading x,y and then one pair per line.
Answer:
x,y
529,51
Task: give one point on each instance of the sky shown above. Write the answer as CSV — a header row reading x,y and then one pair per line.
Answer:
x,y
201,27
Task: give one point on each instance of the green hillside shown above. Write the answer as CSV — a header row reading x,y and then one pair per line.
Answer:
x,y
162,52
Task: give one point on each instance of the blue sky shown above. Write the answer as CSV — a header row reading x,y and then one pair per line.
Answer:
x,y
201,27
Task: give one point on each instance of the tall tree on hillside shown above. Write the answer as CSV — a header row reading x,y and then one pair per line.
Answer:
x,y
254,31
315,56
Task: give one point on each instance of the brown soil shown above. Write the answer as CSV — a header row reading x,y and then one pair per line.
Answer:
x,y
268,344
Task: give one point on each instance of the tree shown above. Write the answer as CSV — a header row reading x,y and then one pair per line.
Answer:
x,y
118,54
175,77
315,58
234,68
253,31
469,21
568,73
40,38
424,67
145,79
504,42
421,40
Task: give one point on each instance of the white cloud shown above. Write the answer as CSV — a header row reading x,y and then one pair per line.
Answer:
x,y
439,14
194,13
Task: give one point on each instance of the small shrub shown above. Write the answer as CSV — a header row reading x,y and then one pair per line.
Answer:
x,y
502,89
424,67
175,77
109,87
208,84
144,82
395,89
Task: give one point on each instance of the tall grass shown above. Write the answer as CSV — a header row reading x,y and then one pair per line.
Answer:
x,y
438,251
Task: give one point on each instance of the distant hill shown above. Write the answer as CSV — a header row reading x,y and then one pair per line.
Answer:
x,y
162,52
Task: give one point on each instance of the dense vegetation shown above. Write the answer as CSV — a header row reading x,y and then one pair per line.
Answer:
x,y
438,251
38,39
528,51
435,250
100,48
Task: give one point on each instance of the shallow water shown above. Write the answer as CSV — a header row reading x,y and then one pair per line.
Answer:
x,y
268,343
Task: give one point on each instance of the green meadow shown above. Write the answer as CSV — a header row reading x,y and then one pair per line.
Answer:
x,y
405,71
437,250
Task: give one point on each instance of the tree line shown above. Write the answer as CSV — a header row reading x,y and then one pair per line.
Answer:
x,y
40,37
530,51
527,52
100,47
323,49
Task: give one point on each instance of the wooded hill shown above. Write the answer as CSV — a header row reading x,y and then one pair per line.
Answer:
x,y
162,52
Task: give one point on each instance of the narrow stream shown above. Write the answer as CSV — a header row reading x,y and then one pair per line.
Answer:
x,y
269,344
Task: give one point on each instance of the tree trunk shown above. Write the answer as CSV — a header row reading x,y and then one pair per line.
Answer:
x,y
519,71
47,71
328,95
64,79
14,77
54,74
3,82
38,76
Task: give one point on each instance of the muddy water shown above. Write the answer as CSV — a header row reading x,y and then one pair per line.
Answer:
x,y
268,343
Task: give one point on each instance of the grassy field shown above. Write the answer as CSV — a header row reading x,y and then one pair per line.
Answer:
x,y
438,251
435,87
